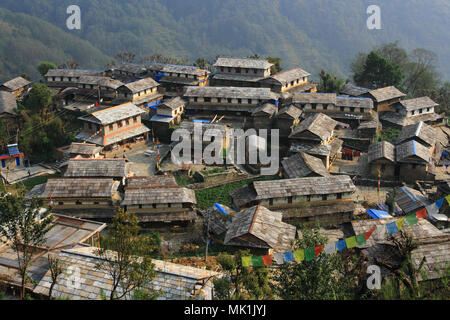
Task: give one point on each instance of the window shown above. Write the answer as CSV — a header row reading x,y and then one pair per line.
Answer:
x,y
246,70
111,127
249,101
169,205
127,122
289,199
238,70
222,69
140,206
78,203
270,202
308,198
239,100
219,100
154,205
352,109
413,112
195,99
135,119
229,100
229,69
208,99
313,106
119,124
342,109
324,197
339,196
325,107
96,202
60,203
255,70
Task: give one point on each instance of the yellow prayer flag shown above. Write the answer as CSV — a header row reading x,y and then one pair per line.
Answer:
x,y
299,255
448,199
400,223
246,261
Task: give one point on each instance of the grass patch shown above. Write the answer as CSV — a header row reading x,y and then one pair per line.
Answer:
x,y
30,183
183,180
207,197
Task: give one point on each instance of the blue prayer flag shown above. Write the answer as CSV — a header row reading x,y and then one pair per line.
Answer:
x,y
392,228
340,245
289,256
439,203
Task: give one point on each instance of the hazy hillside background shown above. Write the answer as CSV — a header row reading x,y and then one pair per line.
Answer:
x,y
314,34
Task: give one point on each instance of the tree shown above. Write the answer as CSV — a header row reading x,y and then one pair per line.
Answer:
x,y
421,72
125,56
124,256
69,64
202,63
241,282
254,56
23,228
276,64
326,278
43,67
159,58
394,54
378,72
39,98
330,82
25,76
57,267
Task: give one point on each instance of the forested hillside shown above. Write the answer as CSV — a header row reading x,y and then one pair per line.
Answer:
x,y
315,34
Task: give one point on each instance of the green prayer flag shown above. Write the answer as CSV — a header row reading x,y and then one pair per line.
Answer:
x,y
299,255
411,219
246,261
361,239
310,254
257,261
351,242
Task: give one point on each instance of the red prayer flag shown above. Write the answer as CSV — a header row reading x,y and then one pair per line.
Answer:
x,y
369,233
317,250
422,213
267,260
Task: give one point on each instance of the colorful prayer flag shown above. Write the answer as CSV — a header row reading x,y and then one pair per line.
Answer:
x,y
400,223
267,260
439,203
278,257
341,245
392,227
299,255
422,213
246,261
350,242
257,261
310,254
289,256
361,239
411,219
448,198
330,248
369,233
318,249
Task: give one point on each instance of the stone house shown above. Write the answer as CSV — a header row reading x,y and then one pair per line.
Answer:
x,y
240,72
292,80
18,86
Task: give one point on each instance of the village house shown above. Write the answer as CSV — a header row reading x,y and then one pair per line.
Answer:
x,y
159,199
286,120
127,72
98,87
292,80
382,162
260,229
63,78
91,198
173,281
227,100
116,169
17,86
143,93
8,105
353,91
113,126
302,165
14,158
326,200
415,161
167,114
84,150
315,136
66,232
240,72
263,116
432,244
385,98
174,77
412,111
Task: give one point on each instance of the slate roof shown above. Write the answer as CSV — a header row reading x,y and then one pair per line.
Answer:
x,y
353,90
176,282
418,103
302,165
7,102
303,186
141,85
74,73
323,98
217,221
387,93
411,150
108,168
100,81
231,92
291,111
381,150
174,103
152,181
159,194
315,149
79,188
419,131
214,128
352,102
131,68
16,83
174,68
84,148
410,200
266,109
243,63
285,77
265,225
113,114
318,124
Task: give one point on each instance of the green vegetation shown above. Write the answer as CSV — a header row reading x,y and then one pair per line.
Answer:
x,y
43,67
329,83
389,134
207,197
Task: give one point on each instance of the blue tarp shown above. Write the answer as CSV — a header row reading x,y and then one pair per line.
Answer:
x,y
220,208
378,214
202,121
